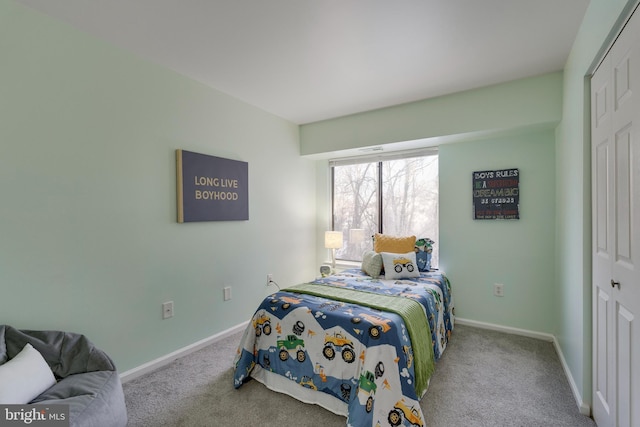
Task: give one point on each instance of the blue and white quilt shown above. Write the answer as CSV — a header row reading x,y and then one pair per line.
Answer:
x,y
333,342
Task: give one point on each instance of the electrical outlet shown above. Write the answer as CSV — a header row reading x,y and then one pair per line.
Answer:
x,y
167,309
269,279
498,289
227,293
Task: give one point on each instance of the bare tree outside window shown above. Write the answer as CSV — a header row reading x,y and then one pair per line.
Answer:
x,y
409,205
355,207
410,199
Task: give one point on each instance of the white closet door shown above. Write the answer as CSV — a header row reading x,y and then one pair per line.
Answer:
x,y
615,106
603,391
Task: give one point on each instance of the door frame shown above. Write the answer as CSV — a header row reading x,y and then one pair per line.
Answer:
x,y
607,44
611,38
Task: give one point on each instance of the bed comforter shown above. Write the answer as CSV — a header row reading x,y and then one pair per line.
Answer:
x,y
360,347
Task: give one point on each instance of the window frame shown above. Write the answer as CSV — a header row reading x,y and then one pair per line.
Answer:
x,y
378,158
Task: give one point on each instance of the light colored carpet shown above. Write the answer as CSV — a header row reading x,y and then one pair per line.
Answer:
x,y
485,378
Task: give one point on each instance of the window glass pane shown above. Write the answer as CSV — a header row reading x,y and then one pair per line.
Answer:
x,y
409,191
410,199
355,207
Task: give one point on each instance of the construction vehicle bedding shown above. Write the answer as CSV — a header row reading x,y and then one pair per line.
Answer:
x,y
360,347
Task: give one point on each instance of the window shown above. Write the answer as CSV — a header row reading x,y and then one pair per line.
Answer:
x,y
396,195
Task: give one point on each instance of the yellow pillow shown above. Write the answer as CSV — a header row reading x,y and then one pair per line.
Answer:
x,y
392,244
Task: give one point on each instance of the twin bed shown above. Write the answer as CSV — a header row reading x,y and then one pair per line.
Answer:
x,y
359,346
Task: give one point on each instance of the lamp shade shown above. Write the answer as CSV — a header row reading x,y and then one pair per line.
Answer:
x,y
333,239
356,235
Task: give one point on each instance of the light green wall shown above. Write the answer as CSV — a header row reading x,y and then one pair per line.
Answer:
x,y
90,241
524,103
573,193
475,254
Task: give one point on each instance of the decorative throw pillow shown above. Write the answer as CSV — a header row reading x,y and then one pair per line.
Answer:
x,y
400,266
372,263
424,249
396,245
424,260
24,377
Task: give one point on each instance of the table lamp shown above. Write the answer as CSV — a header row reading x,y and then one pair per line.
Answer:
x,y
333,241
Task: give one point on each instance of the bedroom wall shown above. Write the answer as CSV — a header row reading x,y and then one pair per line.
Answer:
x,y
573,193
90,241
520,104
476,254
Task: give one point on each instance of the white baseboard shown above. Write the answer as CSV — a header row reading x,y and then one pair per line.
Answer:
x,y
166,359
582,406
507,329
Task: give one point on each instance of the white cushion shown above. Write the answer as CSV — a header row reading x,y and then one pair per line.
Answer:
x,y
24,377
400,266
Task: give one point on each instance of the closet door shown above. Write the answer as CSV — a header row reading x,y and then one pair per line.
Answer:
x,y
602,252
615,106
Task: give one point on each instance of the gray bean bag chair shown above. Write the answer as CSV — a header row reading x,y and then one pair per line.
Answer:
x,y
87,379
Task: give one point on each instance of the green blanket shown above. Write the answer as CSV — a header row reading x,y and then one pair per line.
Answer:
x,y
411,312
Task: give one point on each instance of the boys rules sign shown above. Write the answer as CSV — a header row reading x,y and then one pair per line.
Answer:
x,y
496,194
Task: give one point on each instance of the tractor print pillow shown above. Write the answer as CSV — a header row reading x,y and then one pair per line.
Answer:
x,y
400,266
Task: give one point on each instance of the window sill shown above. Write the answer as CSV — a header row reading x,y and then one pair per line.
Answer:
x,y
344,265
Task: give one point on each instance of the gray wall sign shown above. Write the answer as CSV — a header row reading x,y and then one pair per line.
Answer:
x,y
211,188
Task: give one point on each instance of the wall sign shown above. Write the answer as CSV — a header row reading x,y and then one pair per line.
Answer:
x,y
496,194
211,188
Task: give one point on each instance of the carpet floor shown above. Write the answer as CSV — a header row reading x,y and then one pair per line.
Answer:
x,y
485,378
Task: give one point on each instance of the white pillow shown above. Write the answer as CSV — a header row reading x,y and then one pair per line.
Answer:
x,y
24,377
400,266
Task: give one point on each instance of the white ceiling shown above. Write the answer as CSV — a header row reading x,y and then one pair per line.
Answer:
x,y
310,60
